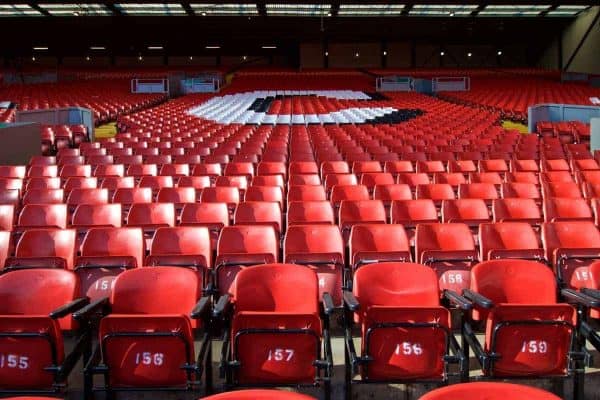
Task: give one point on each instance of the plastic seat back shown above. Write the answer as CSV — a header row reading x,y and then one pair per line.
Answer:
x,y
182,246
45,248
151,215
43,216
372,243
306,193
492,390
468,211
562,208
43,196
516,210
259,213
310,212
509,240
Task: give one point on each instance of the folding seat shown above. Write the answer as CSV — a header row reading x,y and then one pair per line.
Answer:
x,y
276,332
182,246
259,213
450,250
564,208
462,166
332,180
486,177
112,183
467,211
240,247
586,164
364,167
251,394
334,167
523,177
413,179
556,176
493,165
430,167
436,192
591,190
196,182
371,179
509,240
88,216
156,182
189,159
105,253
78,182
348,192
13,171
7,217
42,216
10,196
352,212
520,165
414,156
140,170
588,177
176,195
375,243
397,167
271,168
94,161
71,160
13,183
213,216
104,170
128,160
129,196
86,196
516,301
571,246
151,216
42,171
32,327
44,248
239,168
75,170
303,168
561,189
269,180
555,165
470,156
410,213
305,179
492,390
516,210
450,178
442,156
310,212
221,194
265,193
159,160
174,170
320,247
520,190
146,333
42,160
484,191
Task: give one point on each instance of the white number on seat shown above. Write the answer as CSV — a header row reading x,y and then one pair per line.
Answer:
x,y
103,284
148,358
452,278
582,275
14,361
281,355
534,346
409,349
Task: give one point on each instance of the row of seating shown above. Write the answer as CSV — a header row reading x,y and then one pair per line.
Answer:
x,y
276,331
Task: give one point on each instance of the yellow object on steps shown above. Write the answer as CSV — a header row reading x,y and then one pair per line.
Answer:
x,y
106,131
515,125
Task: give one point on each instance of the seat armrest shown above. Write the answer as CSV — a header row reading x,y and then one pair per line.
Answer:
x,y
350,301
458,300
221,305
200,308
90,309
69,308
591,292
580,298
328,306
478,299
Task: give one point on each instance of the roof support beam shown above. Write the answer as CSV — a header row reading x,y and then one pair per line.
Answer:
x,y
479,8
114,10
39,9
186,6
261,8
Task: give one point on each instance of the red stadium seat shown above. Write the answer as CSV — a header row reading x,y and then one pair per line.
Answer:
x,y
147,337
44,248
105,253
305,179
213,216
265,193
491,391
43,196
571,246
222,194
43,216
524,322
7,217
310,212
243,246
276,331
563,208
484,191
353,212
259,213
252,394
516,210
436,192
406,334
467,211
450,250
321,248
32,326
374,243
306,193
509,240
